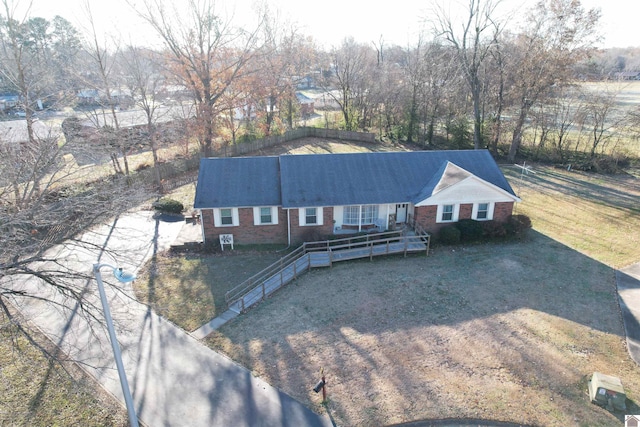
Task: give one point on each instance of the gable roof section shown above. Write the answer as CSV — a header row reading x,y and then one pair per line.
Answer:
x,y
448,175
238,182
373,178
340,179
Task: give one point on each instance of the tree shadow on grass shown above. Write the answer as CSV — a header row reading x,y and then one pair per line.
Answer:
x,y
534,316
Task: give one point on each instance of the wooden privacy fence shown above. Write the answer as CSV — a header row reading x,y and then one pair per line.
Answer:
x,y
292,135
321,254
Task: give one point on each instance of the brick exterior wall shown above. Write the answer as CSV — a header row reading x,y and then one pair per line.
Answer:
x,y
426,216
465,211
310,233
246,232
502,211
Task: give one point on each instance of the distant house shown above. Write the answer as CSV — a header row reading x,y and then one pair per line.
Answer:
x,y
295,198
95,97
327,100
8,102
306,104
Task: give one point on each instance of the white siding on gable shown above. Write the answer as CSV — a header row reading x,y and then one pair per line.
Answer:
x,y
469,190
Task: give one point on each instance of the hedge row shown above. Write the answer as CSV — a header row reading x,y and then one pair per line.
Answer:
x,y
469,230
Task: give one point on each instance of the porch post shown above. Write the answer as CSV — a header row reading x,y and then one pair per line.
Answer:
x,y
359,218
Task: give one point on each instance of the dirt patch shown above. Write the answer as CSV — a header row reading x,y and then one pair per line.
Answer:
x,y
505,332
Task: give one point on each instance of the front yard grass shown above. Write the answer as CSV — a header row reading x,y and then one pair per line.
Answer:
x,y
506,331
189,289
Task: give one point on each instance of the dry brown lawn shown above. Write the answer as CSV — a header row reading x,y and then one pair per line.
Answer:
x,y
505,332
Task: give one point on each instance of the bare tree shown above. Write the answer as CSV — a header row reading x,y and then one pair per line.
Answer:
x,y
350,65
208,54
143,79
602,112
473,42
559,34
107,82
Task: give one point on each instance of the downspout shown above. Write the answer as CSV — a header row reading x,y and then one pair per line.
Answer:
x,y
288,228
199,213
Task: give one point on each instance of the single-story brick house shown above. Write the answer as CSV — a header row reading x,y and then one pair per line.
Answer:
x,y
293,198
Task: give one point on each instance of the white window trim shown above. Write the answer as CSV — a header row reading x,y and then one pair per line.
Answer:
x,y
456,212
257,217
217,218
302,217
474,213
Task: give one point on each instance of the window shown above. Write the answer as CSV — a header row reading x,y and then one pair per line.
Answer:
x,y
310,216
483,211
447,213
350,216
226,216
368,214
265,216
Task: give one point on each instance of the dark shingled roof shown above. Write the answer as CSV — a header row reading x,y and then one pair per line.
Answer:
x,y
234,182
338,179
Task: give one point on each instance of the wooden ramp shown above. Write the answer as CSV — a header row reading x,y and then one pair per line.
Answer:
x,y
321,254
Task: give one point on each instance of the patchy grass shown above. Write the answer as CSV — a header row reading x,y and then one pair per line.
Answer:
x,y
597,215
507,332
496,331
36,392
189,290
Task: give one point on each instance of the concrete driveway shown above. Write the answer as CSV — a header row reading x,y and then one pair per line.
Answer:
x,y
174,379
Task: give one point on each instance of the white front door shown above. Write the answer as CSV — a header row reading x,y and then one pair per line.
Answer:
x,y
401,213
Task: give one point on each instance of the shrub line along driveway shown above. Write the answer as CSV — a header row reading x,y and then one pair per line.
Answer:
x,y
174,379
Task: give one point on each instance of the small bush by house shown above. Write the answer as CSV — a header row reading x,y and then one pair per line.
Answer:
x,y
449,235
493,229
169,206
470,230
518,224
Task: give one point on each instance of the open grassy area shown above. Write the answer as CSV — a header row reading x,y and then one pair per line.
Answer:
x,y
496,331
598,215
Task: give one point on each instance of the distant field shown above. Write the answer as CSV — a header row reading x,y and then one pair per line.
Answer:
x,y
627,92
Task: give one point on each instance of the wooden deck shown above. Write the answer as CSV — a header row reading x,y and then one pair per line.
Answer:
x,y
320,254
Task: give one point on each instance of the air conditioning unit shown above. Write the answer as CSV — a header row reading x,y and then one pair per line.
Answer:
x,y
607,391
